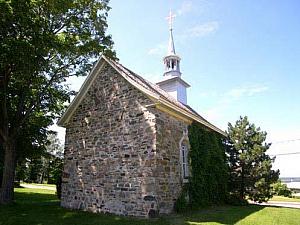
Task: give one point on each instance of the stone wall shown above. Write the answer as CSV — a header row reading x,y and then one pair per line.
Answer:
x,y
121,155
170,133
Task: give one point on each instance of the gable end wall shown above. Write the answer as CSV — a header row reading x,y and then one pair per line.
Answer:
x,y
121,156
109,150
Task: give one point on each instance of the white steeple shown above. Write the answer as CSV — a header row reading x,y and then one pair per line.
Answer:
x,y
171,49
172,83
171,60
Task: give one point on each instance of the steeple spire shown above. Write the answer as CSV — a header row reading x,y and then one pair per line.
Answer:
x,y
171,60
172,82
171,48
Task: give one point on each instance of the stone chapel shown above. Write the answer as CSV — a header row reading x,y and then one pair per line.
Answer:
x,y
126,143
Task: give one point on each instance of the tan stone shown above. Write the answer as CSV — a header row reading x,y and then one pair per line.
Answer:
x,y
121,156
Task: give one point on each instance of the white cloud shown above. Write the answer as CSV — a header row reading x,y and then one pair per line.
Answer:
x,y
246,91
227,99
202,30
159,50
154,77
210,94
185,8
213,114
236,93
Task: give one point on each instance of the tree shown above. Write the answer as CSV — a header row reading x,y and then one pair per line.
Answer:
x,y
53,160
30,146
43,167
43,42
251,173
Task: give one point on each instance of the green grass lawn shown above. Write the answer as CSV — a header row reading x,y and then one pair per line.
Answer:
x,y
285,199
41,207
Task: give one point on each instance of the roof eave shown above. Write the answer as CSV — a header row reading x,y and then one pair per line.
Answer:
x,y
191,116
153,96
81,93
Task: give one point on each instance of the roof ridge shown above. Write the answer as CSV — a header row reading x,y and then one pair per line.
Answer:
x,y
143,85
161,92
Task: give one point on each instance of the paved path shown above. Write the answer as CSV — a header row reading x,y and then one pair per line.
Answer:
x,y
38,186
282,204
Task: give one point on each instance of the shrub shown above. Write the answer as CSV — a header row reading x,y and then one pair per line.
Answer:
x,y
233,199
182,203
281,189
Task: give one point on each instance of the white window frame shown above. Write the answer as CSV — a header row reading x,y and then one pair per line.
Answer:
x,y
184,156
184,161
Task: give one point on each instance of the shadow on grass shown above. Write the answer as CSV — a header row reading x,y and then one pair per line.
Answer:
x,y
44,209
34,198
228,215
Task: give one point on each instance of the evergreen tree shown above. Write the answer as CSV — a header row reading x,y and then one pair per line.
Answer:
x,y
250,168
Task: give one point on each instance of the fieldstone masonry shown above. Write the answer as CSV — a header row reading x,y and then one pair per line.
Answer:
x,y
121,153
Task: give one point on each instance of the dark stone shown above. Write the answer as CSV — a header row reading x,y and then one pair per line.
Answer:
x,y
152,213
140,114
81,206
149,198
132,189
66,175
128,207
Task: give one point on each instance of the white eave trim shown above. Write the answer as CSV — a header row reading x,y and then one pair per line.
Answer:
x,y
191,116
179,79
81,93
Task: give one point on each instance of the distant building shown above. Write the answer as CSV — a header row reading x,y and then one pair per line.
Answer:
x,y
292,183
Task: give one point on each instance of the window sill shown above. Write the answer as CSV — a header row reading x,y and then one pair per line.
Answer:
x,y
185,180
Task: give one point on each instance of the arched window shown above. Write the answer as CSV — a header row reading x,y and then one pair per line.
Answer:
x,y
173,64
184,160
184,156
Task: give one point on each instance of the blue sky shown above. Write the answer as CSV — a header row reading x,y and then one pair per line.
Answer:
x,y
240,57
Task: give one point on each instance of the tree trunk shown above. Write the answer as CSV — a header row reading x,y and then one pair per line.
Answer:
x,y
7,186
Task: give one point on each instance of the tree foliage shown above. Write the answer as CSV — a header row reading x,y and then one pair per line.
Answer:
x,y
251,173
43,42
281,189
44,167
208,182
